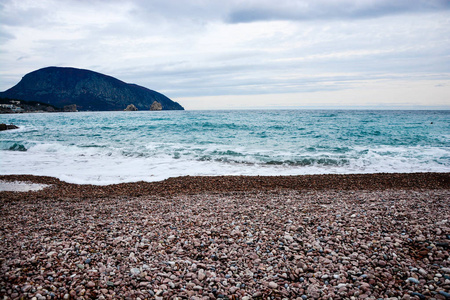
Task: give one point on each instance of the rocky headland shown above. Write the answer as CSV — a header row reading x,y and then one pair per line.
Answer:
x,y
88,90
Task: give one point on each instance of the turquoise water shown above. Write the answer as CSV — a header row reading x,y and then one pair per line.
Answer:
x,y
112,147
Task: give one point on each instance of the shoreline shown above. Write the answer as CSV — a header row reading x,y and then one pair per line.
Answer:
x,y
222,184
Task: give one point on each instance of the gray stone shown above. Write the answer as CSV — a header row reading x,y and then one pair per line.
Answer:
x,y
413,280
135,271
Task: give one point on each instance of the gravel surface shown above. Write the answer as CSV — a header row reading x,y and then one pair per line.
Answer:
x,y
300,237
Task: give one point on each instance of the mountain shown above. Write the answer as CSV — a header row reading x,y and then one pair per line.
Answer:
x,y
87,89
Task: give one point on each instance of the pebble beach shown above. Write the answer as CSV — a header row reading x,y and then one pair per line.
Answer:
x,y
365,236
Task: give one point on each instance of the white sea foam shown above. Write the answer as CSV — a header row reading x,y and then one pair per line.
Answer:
x,y
114,147
99,166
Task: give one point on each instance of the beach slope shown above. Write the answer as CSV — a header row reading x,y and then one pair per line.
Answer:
x,y
322,236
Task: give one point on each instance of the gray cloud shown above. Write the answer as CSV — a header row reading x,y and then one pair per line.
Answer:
x,y
13,15
206,47
251,11
5,36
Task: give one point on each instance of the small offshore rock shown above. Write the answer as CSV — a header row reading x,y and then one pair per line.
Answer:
x,y
131,107
4,126
156,106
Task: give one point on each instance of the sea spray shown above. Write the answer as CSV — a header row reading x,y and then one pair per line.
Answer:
x,y
112,147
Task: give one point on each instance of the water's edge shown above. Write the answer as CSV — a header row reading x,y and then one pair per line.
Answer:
x,y
114,147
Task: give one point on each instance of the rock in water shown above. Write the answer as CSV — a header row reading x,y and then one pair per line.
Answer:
x,y
131,107
156,106
7,127
90,91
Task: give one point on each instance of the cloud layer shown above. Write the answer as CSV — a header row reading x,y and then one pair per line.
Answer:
x,y
250,11
205,48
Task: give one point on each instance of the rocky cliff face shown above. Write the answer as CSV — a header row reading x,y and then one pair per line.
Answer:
x,y
131,107
156,106
86,89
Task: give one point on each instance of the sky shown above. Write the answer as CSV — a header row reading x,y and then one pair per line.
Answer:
x,y
243,54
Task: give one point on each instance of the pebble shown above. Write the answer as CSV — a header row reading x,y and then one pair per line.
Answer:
x,y
418,295
194,246
201,275
288,238
413,280
135,271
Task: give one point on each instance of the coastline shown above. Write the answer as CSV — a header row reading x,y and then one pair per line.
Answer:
x,y
238,237
223,184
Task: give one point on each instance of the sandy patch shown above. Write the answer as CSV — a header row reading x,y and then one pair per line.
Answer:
x,y
21,186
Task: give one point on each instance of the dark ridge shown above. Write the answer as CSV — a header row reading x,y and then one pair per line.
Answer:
x,y
88,90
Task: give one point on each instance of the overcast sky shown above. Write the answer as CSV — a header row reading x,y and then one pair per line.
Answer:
x,y
242,53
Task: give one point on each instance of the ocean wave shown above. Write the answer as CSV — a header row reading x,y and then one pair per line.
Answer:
x,y
114,147
13,146
17,147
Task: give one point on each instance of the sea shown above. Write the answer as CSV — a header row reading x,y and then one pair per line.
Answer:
x,y
104,148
